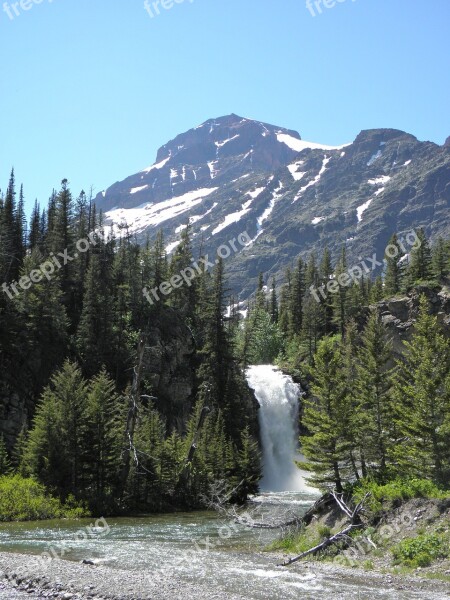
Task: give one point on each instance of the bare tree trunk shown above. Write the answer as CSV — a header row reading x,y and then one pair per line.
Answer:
x,y
355,522
327,542
185,474
134,400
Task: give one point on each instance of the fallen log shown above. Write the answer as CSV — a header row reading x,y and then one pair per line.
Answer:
x,y
355,523
337,537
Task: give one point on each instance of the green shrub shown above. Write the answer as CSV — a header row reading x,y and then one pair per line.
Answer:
x,y
27,500
422,550
398,489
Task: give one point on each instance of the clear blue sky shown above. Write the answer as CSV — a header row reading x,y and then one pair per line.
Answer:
x,y
92,88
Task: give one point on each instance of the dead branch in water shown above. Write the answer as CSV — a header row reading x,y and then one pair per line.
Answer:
x,y
355,522
327,542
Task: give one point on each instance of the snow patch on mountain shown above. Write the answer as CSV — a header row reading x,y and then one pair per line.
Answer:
x,y
159,165
361,209
212,169
266,214
135,190
299,145
150,214
221,144
229,219
255,193
316,179
379,180
171,247
293,170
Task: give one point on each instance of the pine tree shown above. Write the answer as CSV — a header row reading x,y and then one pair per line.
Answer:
x,y
296,299
101,443
374,407
95,335
420,267
441,257
44,321
248,468
312,312
325,415
159,263
35,235
274,302
285,304
394,267
422,402
184,297
325,274
5,462
340,298
377,291
54,452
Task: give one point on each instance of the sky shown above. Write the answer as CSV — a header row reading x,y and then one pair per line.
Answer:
x,y
90,89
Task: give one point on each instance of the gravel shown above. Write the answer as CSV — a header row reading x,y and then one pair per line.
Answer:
x,y
23,576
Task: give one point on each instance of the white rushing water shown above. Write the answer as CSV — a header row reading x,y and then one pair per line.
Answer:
x,y
278,397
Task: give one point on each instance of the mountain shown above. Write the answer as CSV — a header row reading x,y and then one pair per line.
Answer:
x,y
232,175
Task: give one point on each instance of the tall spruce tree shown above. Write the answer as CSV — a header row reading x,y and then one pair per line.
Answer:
x,y
374,405
420,266
421,395
393,279
327,448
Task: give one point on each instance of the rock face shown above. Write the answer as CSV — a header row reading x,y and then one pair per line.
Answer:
x,y
233,175
168,373
15,412
399,314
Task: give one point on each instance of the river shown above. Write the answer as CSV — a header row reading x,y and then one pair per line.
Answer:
x,y
203,548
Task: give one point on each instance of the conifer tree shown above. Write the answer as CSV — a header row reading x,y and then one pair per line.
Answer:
x,y
422,402
274,302
101,443
285,303
377,291
325,274
441,258
326,447
95,335
35,235
55,444
296,299
184,298
394,267
374,406
340,298
420,266
5,461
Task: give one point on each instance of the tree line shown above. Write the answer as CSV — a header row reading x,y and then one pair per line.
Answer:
x,y
287,322
68,347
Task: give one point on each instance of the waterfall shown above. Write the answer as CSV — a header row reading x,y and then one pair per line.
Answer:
x,y
278,397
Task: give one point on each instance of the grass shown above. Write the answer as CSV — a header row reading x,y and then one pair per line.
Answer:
x,y
24,499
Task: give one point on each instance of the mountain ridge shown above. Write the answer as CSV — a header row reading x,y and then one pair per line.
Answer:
x,y
233,174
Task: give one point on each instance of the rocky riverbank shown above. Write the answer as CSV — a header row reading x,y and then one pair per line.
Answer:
x,y
66,580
